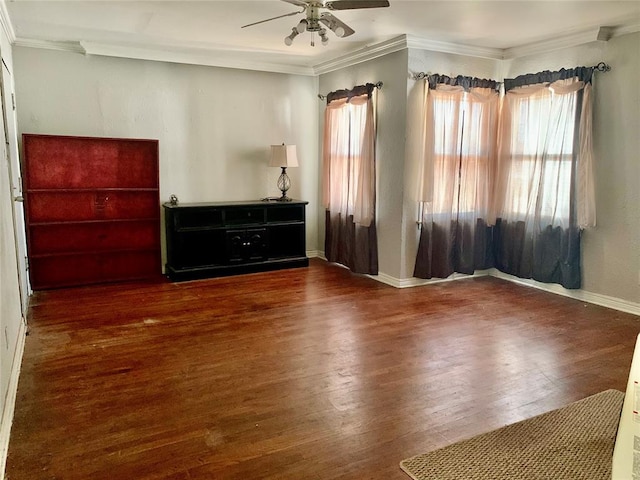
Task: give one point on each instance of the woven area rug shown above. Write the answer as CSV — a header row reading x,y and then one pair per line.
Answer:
x,y
572,443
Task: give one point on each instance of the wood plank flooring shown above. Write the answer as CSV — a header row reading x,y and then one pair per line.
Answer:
x,y
310,373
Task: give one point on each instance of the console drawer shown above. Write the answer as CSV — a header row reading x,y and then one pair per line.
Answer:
x,y
243,216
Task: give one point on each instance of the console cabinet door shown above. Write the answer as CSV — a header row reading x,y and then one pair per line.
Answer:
x,y
197,249
246,245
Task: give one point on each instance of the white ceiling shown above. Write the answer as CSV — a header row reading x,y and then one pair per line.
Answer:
x,y
208,31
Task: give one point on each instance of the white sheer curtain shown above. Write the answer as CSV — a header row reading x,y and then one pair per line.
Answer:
x,y
349,181
508,185
349,170
544,192
455,179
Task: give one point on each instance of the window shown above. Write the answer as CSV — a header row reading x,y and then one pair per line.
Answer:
x,y
349,179
516,200
347,131
464,126
541,150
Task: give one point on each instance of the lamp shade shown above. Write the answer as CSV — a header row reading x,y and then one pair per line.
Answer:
x,y
283,156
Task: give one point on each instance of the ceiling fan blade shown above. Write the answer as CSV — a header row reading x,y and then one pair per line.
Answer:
x,y
333,23
353,4
272,18
297,3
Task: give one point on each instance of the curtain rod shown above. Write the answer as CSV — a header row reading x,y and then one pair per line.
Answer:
x,y
600,67
324,97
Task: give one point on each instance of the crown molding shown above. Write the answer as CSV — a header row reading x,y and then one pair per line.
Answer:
x,y
400,43
455,48
364,54
626,29
74,47
224,59
551,44
209,58
5,21
567,41
192,57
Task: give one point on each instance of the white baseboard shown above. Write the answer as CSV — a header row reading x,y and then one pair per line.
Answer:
x,y
315,254
10,400
582,295
418,282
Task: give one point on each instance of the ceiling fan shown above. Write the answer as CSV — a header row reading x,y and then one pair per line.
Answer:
x,y
316,21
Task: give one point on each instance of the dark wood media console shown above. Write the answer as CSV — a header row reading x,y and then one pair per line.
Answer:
x,y
217,239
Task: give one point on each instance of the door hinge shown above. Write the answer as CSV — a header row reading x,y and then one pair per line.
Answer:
x,y
26,263
13,101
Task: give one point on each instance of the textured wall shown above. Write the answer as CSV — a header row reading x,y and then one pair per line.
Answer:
x,y
444,64
392,104
399,107
215,125
611,251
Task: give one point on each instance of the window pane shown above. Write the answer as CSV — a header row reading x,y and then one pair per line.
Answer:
x,y
542,143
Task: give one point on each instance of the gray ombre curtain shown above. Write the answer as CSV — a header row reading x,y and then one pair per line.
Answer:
x,y
349,179
454,181
544,192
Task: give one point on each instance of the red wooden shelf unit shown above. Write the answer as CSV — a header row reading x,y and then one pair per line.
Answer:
x,y
92,210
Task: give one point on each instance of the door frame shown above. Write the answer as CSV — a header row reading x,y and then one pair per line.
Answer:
x,y
15,181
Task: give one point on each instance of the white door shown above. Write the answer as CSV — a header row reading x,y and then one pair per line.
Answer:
x,y
8,97
10,301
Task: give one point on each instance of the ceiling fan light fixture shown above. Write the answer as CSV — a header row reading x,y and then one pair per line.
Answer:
x,y
289,39
323,36
315,17
302,26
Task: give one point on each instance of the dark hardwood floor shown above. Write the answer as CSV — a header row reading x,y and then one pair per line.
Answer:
x,y
309,373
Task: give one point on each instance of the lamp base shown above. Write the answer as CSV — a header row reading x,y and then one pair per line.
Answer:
x,y
283,184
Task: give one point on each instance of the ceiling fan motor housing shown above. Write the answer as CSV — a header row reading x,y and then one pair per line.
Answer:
x,y
313,14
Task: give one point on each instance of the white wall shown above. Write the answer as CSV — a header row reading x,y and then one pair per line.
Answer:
x,y
214,125
391,70
399,107
611,251
428,62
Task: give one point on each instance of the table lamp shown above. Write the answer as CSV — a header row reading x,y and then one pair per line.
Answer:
x,y
283,156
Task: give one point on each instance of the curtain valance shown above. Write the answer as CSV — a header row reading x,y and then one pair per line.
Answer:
x,y
583,74
466,83
366,89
